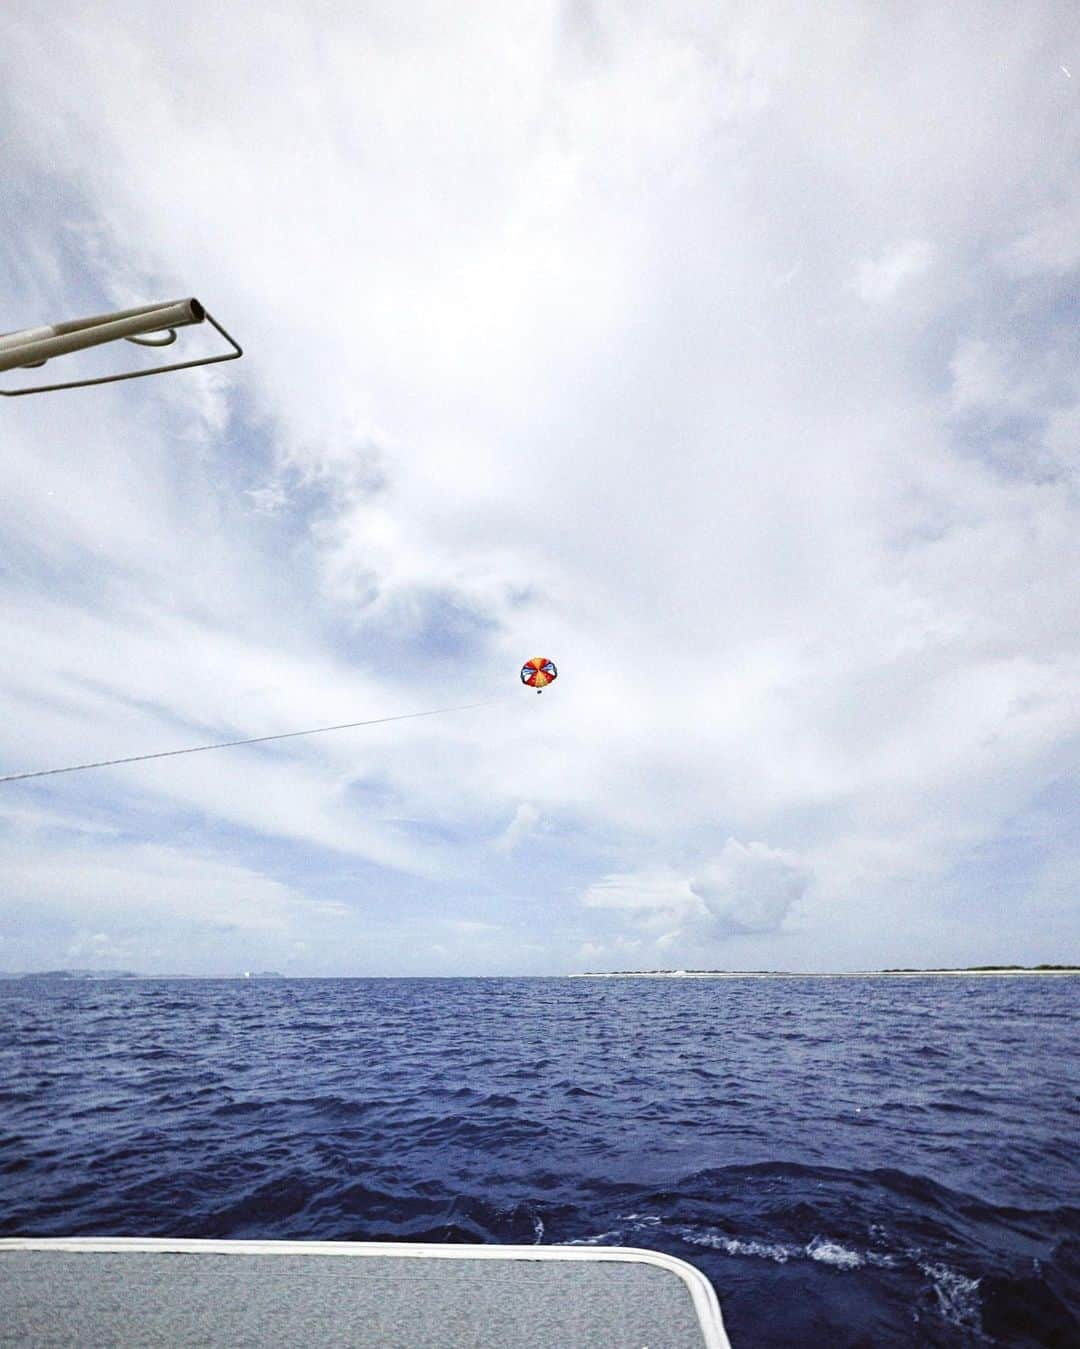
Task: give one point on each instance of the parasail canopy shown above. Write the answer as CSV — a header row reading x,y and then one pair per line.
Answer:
x,y
539,672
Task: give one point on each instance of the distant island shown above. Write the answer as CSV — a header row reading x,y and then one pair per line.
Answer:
x,y
73,974
83,975
992,969
897,972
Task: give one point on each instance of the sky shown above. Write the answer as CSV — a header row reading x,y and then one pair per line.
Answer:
x,y
725,354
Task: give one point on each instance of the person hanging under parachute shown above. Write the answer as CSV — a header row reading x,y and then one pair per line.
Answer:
x,y
538,673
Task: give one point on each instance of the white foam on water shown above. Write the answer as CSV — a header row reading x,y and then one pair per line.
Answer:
x,y
832,1253
733,1246
600,1239
882,1261
821,1249
957,1296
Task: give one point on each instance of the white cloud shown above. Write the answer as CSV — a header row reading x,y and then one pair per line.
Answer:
x,y
141,905
981,377
750,887
878,280
98,947
656,897
524,825
590,950
1051,241
530,366
746,888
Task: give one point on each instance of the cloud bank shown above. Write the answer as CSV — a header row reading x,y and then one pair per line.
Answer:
x,y
727,356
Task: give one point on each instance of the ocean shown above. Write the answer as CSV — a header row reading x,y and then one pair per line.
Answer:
x,y
851,1161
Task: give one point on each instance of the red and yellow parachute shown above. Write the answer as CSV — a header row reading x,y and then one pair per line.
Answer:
x,y
538,673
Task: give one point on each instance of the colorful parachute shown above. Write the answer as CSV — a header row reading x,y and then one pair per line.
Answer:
x,y
539,672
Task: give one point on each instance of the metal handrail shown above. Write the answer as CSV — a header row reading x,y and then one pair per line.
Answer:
x,y
144,325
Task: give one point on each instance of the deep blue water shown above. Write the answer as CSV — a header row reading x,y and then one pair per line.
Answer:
x,y
851,1161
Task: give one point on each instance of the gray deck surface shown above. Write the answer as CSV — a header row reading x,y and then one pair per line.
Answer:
x,y
166,1298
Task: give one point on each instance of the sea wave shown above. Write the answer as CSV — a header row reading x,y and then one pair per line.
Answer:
x,y
887,1170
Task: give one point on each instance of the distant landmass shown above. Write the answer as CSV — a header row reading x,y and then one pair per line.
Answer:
x,y
818,974
986,969
132,974
75,975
